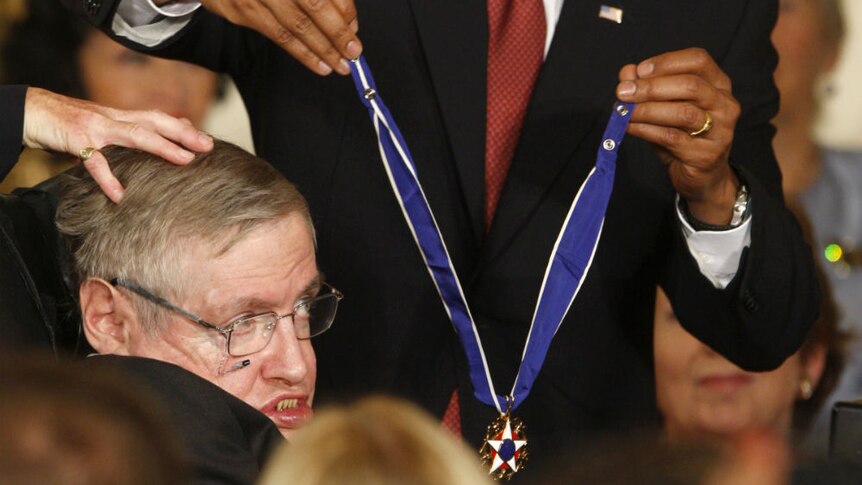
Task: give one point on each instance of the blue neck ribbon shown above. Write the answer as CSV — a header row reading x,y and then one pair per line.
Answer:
x,y
567,266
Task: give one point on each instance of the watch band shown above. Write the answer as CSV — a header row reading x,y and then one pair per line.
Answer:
x,y
741,208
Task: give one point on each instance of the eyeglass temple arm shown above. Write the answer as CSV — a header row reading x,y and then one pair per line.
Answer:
x,y
162,302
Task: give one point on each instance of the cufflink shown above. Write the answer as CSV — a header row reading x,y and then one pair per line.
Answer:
x,y
92,7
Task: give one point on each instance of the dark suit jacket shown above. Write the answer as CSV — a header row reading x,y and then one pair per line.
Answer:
x,y
11,126
27,312
227,441
37,303
429,59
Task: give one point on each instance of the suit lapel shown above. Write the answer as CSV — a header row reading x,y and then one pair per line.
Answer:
x,y
454,37
572,99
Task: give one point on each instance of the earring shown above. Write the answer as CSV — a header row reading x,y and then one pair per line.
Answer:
x,y
806,389
824,87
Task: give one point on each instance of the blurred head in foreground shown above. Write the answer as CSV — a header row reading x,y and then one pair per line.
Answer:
x,y
62,425
378,440
755,458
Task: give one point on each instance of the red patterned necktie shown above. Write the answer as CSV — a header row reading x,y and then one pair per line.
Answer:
x,y
516,49
452,417
516,46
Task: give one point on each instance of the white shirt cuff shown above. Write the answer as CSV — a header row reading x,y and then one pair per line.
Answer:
x,y
717,252
141,21
176,8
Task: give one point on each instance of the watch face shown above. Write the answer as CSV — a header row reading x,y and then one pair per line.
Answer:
x,y
740,213
740,206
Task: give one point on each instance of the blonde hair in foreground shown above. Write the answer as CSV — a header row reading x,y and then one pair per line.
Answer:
x,y
378,440
168,210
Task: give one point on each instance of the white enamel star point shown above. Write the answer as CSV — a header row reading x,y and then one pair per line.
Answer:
x,y
506,449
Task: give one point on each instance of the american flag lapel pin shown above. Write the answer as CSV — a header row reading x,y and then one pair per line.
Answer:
x,y
613,14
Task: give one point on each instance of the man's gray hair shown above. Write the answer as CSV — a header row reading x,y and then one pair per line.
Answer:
x,y
168,211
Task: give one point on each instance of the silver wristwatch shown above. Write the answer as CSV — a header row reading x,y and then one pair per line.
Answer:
x,y
740,211
740,206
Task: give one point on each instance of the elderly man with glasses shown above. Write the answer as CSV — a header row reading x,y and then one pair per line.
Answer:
x,y
209,266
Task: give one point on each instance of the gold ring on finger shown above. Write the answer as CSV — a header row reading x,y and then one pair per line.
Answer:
x,y
707,125
85,153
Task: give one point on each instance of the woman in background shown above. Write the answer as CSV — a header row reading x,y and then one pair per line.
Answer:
x,y
51,50
703,396
826,184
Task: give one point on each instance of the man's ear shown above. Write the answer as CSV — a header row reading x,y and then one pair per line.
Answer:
x,y
108,317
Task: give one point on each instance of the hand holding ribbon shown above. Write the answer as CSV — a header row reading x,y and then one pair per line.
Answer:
x,y
687,110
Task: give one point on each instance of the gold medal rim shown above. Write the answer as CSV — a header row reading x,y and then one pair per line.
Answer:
x,y
486,451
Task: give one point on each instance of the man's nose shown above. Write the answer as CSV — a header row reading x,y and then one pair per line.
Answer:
x,y
286,358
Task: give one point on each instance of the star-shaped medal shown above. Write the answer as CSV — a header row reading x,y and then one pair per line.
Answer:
x,y
504,449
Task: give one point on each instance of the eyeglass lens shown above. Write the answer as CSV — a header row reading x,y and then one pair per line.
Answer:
x,y
310,319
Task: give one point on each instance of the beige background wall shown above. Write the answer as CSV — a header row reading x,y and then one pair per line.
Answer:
x,y
228,120
841,120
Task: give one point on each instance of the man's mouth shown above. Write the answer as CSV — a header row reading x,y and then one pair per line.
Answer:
x,y
288,413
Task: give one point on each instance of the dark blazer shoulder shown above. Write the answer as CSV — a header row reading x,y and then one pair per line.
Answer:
x,y
227,440
25,323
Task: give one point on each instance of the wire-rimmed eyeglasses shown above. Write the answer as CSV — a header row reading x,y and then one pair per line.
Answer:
x,y
247,335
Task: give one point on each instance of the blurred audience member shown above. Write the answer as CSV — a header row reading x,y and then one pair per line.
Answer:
x,y
64,426
378,440
808,37
703,396
755,458
826,183
210,267
51,50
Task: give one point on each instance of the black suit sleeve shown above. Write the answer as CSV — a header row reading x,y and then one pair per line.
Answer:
x,y
764,314
11,126
207,39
